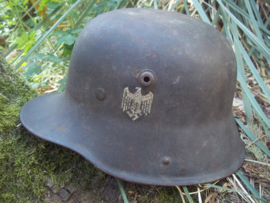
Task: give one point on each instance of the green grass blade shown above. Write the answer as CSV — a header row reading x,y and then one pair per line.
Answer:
x,y
254,8
247,183
38,26
155,4
226,31
231,190
186,8
240,66
51,22
187,194
252,68
48,17
119,182
10,50
123,4
216,17
253,21
86,10
201,12
267,22
235,7
241,77
239,10
221,188
238,45
265,50
254,103
48,33
177,2
252,137
210,6
266,130
260,21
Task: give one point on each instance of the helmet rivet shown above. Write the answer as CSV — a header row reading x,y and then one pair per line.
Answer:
x,y
100,93
166,160
147,78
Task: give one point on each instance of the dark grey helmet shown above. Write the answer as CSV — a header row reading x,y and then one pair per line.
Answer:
x,y
148,100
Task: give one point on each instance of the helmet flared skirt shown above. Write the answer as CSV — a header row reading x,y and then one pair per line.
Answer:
x,y
137,151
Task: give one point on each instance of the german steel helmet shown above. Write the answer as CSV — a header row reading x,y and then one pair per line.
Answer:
x,y
148,100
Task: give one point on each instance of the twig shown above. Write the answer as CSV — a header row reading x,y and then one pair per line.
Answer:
x,y
256,140
238,190
258,86
241,186
261,96
199,195
32,151
193,193
181,194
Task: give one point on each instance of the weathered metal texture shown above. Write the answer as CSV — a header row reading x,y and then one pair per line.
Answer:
x,y
177,130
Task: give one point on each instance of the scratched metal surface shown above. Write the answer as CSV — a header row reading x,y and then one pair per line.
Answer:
x,y
177,130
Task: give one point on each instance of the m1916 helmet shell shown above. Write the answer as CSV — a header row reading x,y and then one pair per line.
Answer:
x,y
148,100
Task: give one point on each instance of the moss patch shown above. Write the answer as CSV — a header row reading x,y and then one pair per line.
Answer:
x,y
27,163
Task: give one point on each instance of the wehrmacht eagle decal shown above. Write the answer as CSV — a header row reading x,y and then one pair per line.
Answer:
x,y
136,104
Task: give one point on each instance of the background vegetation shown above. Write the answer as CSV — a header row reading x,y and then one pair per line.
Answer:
x,y
37,37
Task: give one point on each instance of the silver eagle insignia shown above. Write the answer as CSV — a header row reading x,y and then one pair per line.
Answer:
x,y
136,104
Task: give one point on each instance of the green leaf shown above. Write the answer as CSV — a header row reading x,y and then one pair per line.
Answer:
x,y
76,31
32,70
32,35
42,56
48,33
38,56
113,4
53,5
30,22
68,49
63,84
68,39
85,12
33,57
100,7
56,60
25,2
59,32
35,28
30,64
28,46
21,41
